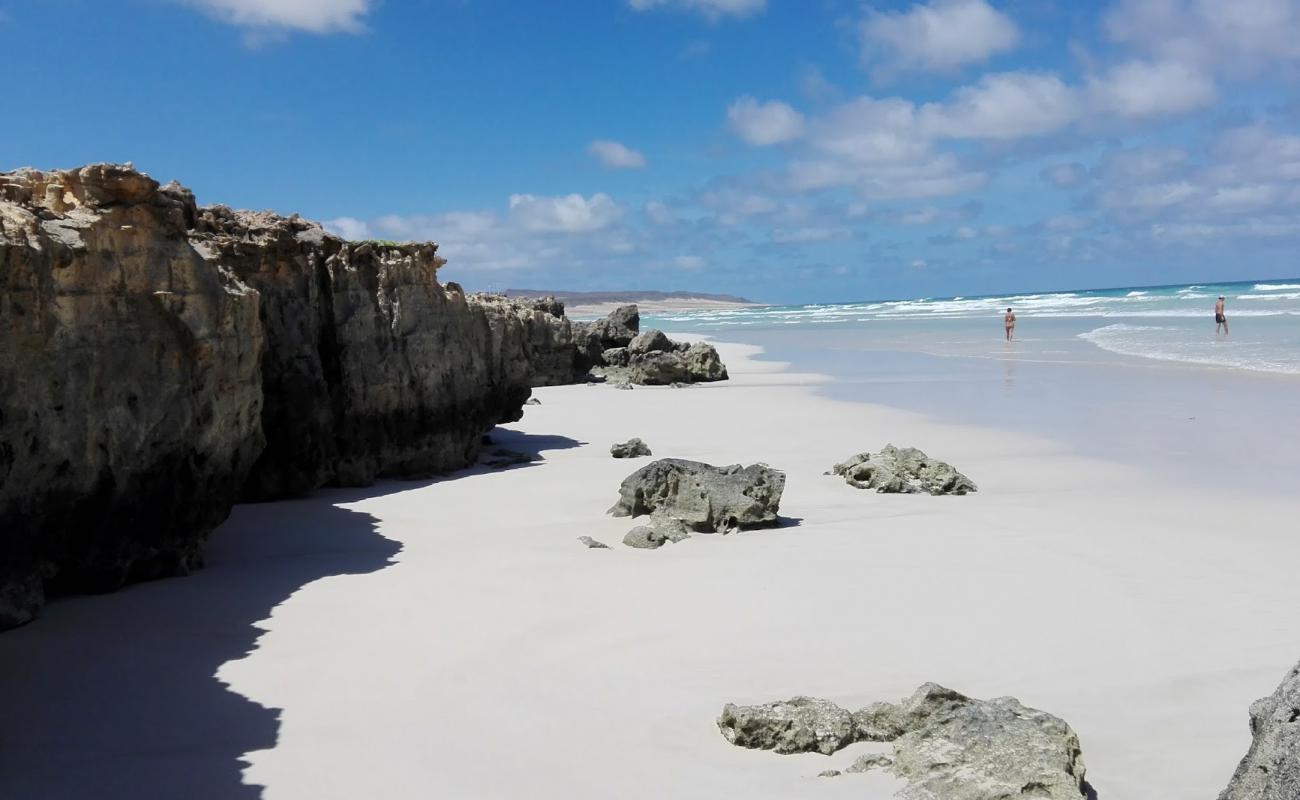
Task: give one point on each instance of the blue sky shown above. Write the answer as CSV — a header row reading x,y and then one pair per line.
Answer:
x,y
786,150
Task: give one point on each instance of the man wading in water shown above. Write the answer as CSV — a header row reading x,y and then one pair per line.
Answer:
x,y
1009,320
1220,320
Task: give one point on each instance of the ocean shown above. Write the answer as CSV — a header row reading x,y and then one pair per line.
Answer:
x,y
1171,324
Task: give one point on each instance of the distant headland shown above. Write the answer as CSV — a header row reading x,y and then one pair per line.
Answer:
x,y
598,303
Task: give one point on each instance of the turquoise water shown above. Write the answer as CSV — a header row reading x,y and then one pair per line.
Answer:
x,y
1155,323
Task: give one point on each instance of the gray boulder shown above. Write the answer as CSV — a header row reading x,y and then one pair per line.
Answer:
x,y
644,537
903,470
651,341
946,746
704,497
1271,768
619,328
990,750
632,448
798,725
615,356
673,530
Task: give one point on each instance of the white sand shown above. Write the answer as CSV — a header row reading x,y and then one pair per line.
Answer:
x,y
499,658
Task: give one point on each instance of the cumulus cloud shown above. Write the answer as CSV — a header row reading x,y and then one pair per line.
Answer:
x,y
566,213
1241,36
1009,105
349,228
940,35
767,123
713,9
312,16
1139,89
615,155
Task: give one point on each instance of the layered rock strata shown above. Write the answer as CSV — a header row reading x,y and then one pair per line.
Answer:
x,y
160,361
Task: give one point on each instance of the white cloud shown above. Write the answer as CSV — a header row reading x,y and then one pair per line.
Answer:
x,y
312,16
349,228
1138,89
689,262
567,213
940,35
1008,105
615,155
767,123
713,9
1239,36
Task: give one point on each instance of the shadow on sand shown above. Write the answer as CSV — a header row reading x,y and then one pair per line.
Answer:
x,y
115,697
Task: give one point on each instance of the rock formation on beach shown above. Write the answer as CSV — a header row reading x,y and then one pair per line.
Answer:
x,y
797,725
703,497
632,448
1270,770
946,745
903,470
160,361
652,359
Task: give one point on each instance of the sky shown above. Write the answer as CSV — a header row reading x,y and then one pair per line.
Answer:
x,y
782,150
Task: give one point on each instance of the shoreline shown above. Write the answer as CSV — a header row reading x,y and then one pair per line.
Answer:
x,y
1092,590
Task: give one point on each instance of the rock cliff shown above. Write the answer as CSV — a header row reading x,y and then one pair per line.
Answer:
x,y
1270,770
160,361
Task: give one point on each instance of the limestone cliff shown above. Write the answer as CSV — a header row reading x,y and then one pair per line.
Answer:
x,y
160,361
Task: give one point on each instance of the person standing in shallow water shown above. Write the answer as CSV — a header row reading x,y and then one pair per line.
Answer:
x,y
1220,318
1009,320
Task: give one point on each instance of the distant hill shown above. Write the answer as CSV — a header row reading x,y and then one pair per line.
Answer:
x,y
603,298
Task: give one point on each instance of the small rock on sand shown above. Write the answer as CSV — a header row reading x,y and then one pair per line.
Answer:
x,y
632,448
592,543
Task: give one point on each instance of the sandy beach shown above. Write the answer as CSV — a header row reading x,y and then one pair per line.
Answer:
x,y
451,638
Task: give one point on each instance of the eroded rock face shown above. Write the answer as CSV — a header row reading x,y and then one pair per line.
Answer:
x,y
989,750
632,448
618,328
159,361
676,363
130,387
649,342
798,725
946,746
703,497
903,470
1271,768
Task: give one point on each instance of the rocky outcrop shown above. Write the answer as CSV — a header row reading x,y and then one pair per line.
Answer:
x,y
798,725
622,355
618,328
703,497
1270,770
632,448
161,360
946,745
680,363
903,470
130,384
535,339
